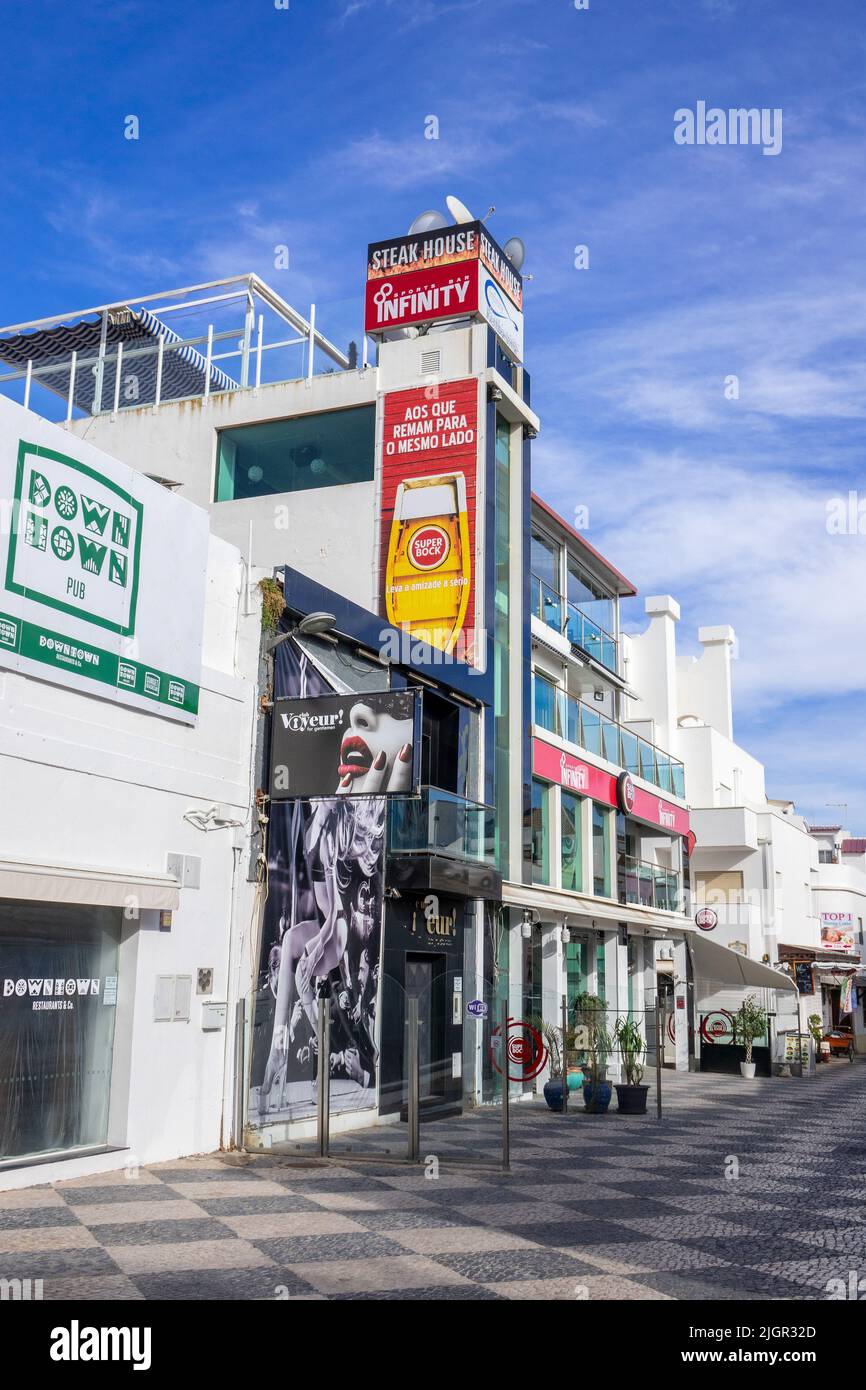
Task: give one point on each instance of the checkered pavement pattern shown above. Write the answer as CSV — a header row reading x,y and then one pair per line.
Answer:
x,y
741,1191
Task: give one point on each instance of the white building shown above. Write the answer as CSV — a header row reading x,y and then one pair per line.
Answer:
x,y
124,827
840,894
753,864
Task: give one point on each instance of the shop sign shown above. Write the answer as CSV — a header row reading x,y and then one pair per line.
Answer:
x,y
445,247
555,765
360,745
102,572
706,918
717,1027
420,296
50,995
804,976
428,506
444,274
837,930
625,793
503,316
476,1008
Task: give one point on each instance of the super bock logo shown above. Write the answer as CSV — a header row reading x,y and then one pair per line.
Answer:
x,y
77,541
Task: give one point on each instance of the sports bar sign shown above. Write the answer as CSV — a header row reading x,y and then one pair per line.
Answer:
x,y
93,560
429,490
442,274
555,765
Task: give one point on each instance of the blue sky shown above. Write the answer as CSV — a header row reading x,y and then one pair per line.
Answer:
x,y
305,127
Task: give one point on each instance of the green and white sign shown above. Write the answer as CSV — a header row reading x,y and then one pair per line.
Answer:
x,y
102,571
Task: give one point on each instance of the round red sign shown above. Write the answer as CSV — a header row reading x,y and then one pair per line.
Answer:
x,y
706,918
429,548
625,793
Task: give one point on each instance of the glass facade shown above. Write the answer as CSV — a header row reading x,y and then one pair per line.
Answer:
x,y
501,663
58,968
309,451
600,851
570,842
576,971
540,831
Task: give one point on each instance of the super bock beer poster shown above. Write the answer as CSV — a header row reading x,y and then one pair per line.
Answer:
x,y
428,514
102,571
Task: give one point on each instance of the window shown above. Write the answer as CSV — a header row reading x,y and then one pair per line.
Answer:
x,y
309,451
501,638
586,595
56,1025
544,560
570,847
545,703
719,888
540,831
600,851
825,856
576,972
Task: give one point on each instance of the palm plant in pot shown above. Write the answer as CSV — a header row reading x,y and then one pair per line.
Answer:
x,y
750,1023
631,1095
553,1089
593,1038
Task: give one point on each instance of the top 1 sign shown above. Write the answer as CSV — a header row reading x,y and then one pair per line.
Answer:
x,y
446,246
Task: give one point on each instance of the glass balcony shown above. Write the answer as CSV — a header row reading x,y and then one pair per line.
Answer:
x,y
569,621
441,822
649,885
578,723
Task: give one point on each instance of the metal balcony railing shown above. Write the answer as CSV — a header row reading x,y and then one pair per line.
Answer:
x,y
441,822
569,621
649,885
587,728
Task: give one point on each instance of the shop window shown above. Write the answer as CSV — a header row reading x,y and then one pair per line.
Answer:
x,y
540,831
576,971
58,987
570,843
600,851
309,451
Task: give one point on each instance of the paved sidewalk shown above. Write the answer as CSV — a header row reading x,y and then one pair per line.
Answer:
x,y
595,1207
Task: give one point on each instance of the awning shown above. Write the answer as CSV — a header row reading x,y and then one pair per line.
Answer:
x,y
57,883
721,966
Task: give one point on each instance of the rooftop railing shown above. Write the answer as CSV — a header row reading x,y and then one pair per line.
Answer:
x,y
226,335
571,622
587,728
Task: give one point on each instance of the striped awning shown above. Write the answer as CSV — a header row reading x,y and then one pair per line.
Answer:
x,y
183,368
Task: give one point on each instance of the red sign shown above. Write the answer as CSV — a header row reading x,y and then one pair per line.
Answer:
x,y
428,513
421,296
706,919
554,765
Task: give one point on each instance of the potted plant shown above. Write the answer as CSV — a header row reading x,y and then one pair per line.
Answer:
x,y
816,1028
552,1088
593,1038
631,1095
750,1022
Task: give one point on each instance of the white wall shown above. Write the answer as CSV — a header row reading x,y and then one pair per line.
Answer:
x,y
90,784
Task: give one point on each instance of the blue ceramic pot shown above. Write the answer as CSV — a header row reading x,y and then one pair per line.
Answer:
x,y
553,1095
597,1098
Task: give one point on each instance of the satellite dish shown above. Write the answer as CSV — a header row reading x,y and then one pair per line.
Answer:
x,y
515,251
429,221
459,211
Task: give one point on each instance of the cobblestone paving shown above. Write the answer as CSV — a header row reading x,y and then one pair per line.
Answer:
x,y
595,1207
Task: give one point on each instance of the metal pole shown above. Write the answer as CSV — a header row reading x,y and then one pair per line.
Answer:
x,y
159,353
414,1101
71,397
117,378
249,318
312,341
261,330
240,1073
506,1101
96,407
658,1058
207,360
27,380
323,1076
564,1055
